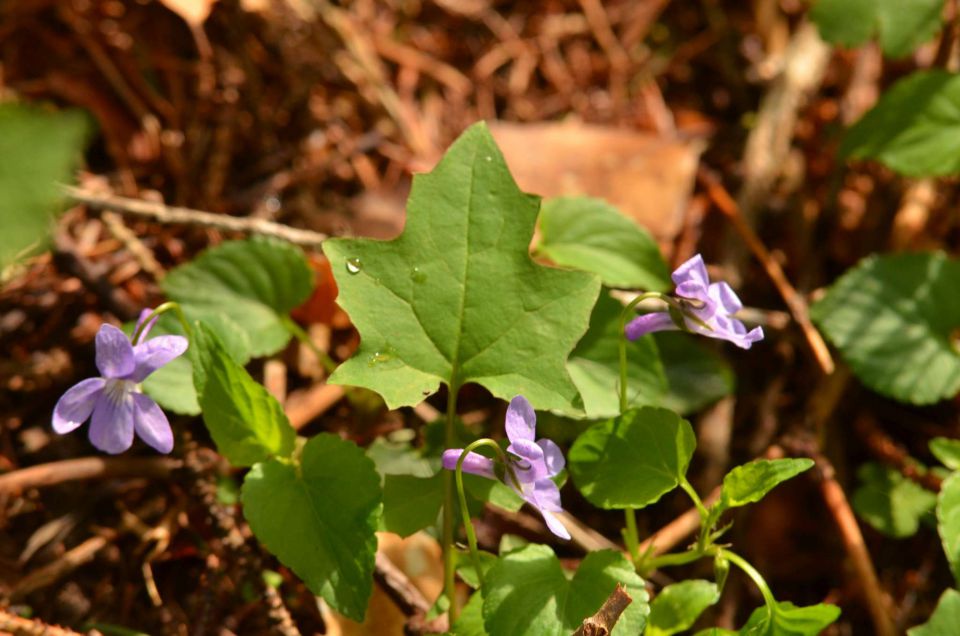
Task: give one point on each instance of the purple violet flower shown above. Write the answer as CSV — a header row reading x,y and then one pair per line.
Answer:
x,y
114,401
713,304
533,464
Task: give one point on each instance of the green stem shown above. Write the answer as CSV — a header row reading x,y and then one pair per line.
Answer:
x,y
165,307
467,523
752,572
449,557
298,332
626,313
697,502
630,535
672,559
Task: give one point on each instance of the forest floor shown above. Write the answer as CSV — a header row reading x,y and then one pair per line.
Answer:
x,y
715,124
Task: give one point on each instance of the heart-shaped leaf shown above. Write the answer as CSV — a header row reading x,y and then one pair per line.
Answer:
x,y
254,282
456,298
527,594
893,317
914,127
678,606
320,518
632,460
592,235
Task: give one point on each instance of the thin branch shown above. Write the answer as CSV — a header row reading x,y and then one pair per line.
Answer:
x,y
86,468
839,507
167,214
19,626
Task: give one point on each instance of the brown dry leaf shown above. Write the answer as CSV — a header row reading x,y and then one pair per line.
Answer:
x,y
647,177
194,12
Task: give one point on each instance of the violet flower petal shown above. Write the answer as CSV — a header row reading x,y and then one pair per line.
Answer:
x,y
722,294
475,463
694,270
552,457
150,423
521,421
111,428
545,497
648,323
75,406
146,330
114,353
527,450
154,353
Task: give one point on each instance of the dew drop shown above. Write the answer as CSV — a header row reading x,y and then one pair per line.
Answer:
x,y
417,275
379,357
488,158
354,266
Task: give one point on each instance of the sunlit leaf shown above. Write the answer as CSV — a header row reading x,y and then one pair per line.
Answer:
x,y
890,502
632,460
456,298
592,235
894,318
319,518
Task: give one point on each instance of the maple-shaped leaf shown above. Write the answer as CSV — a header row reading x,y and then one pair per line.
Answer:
x,y
456,297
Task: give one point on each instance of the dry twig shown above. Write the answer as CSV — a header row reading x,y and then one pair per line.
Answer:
x,y
19,626
603,622
86,468
167,214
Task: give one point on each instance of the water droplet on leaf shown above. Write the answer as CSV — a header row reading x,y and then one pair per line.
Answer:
x,y
354,266
417,275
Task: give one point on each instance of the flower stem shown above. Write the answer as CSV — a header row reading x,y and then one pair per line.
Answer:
x,y
630,535
752,572
467,523
449,557
165,307
626,313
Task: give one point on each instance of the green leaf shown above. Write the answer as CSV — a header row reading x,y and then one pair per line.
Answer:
x,y
319,518
527,594
790,620
466,569
172,384
948,521
751,482
890,502
456,298
945,618
411,503
592,235
947,451
893,318
632,460
394,456
246,422
38,150
902,25
697,375
254,282
470,621
594,365
678,606
914,128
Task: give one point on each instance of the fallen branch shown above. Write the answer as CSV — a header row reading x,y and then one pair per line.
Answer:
x,y
86,468
19,626
50,574
162,213
603,622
